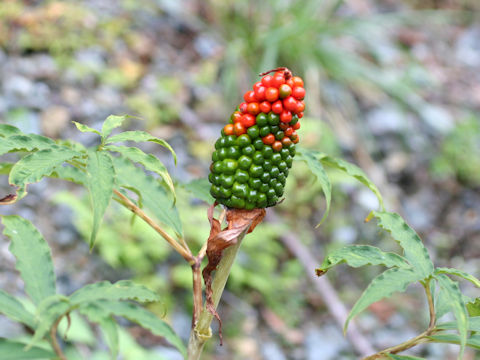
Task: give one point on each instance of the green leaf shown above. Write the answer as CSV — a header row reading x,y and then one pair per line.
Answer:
x,y
8,130
112,122
110,333
414,250
12,350
24,142
70,173
5,168
100,183
473,324
473,307
150,162
144,318
153,195
404,357
459,273
140,136
473,341
33,167
457,305
85,128
313,159
48,311
200,188
382,286
104,290
34,259
11,307
360,255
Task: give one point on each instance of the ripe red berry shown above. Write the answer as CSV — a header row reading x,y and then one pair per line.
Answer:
x,y
294,137
296,126
277,146
298,92
290,83
267,81
283,126
286,141
239,129
243,107
257,85
260,93
249,96
290,103
248,120
277,107
253,108
228,129
300,115
271,94
278,79
269,139
265,107
289,131
297,81
284,90
300,107
235,116
285,116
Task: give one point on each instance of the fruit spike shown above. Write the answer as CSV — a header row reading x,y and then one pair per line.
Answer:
x,y
255,151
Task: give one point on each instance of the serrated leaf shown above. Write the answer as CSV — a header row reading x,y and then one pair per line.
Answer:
x,y
414,250
473,307
9,130
33,167
404,357
473,341
383,286
13,350
48,311
110,332
140,136
100,183
25,142
153,195
86,128
360,255
459,273
457,306
12,308
150,162
145,319
200,188
112,122
313,160
104,290
34,259
70,173
473,324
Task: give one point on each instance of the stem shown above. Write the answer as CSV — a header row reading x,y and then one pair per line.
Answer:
x,y
197,291
181,249
202,332
53,338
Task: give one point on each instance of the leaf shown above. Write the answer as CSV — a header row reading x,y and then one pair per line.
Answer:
x,y
404,357
473,324
104,290
313,161
383,286
112,122
13,350
28,142
34,259
110,333
458,307
48,311
11,307
153,195
100,183
33,167
473,341
360,255
414,250
70,173
85,128
8,130
150,162
459,273
200,188
140,136
473,307
5,168
145,319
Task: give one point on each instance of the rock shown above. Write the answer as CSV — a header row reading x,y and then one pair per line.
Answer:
x,y
272,351
467,50
325,343
386,119
437,118
54,119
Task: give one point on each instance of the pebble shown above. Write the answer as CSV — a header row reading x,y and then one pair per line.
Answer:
x,y
386,119
54,120
272,351
467,50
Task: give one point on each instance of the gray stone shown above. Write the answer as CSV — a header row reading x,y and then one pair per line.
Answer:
x,y
467,50
325,343
386,119
272,351
438,118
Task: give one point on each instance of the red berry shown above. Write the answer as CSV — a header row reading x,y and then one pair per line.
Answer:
x,y
300,115
277,107
278,79
277,146
289,131
283,126
290,103
239,129
271,94
284,90
269,139
294,137
297,81
248,120
300,107
228,129
286,141
265,107
243,107
235,116
267,81
257,85
296,126
253,108
290,83
249,96
285,116
260,93
298,92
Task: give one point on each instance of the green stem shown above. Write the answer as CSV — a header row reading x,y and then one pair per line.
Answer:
x,y
53,339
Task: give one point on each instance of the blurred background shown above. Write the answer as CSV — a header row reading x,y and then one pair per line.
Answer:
x,y
393,86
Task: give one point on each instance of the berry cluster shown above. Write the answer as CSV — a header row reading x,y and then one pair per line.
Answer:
x,y
255,152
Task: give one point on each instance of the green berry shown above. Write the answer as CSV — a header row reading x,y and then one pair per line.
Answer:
x,y
267,152
256,171
229,166
273,119
253,132
239,190
241,176
258,144
244,162
254,183
262,119
257,158
248,150
233,152
264,131
243,140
